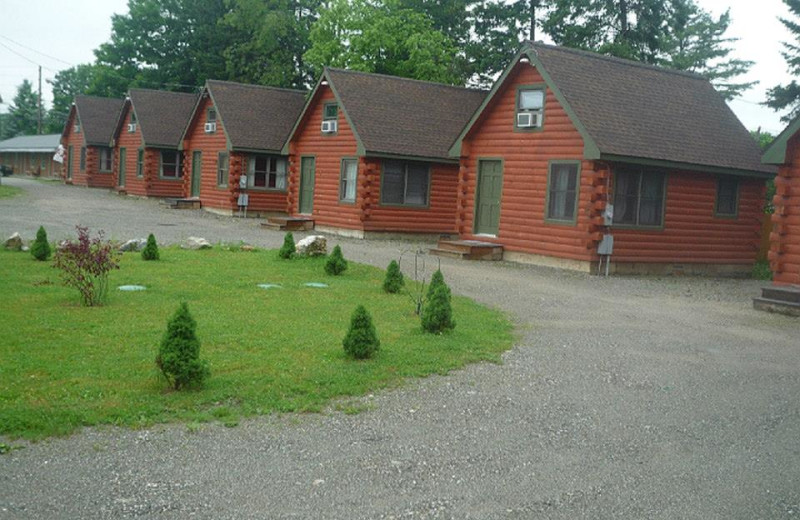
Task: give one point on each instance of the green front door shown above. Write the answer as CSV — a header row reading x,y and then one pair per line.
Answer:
x,y
487,198
197,169
307,174
69,162
123,153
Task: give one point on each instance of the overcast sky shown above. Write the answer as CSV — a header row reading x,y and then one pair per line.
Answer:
x,y
56,35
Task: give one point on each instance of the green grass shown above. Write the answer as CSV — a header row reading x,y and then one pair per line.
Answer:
x,y
6,192
279,350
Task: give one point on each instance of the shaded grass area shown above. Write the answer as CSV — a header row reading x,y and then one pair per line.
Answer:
x,y
6,192
278,350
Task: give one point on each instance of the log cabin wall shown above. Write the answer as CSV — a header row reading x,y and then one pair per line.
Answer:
x,y
525,160
75,140
210,145
158,186
132,142
328,151
260,200
784,255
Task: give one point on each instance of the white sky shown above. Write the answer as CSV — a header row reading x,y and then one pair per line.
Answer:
x,y
58,34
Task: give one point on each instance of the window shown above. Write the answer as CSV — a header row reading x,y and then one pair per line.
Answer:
x,y
105,159
562,192
530,108
140,163
331,111
83,158
405,183
347,181
265,171
211,115
170,164
77,127
727,197
638,198
132,125
222,169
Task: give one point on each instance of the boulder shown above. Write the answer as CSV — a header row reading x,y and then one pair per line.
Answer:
x,y
14,242
134,244
314,245
196,243
247,247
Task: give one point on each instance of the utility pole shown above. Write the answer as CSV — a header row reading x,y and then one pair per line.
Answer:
x,y
39,125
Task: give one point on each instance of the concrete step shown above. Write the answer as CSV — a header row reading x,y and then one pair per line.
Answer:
x,y
468,250
184,203
289,223
777,306
787,293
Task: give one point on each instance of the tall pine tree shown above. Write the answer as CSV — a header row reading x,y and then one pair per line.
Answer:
x,y
787,97
23,112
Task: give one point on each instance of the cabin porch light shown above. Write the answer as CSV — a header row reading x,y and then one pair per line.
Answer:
x,y
524,59
324,82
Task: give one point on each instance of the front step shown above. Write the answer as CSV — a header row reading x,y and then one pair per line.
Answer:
x,y
783,300
289,223
468,250
184,203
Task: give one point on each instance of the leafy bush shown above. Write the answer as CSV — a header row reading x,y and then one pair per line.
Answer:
x,y
150,251
40,249
336,263
179,354
361,341
437,314
85,265
288,248
393,281
761,270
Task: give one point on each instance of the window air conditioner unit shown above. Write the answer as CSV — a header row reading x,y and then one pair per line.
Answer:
x,y
210,128
131,127
329,127
529,120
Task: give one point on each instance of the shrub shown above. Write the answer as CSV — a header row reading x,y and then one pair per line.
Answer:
x,y
361,341
150,251
179,354
85,265
40,249
288,248
393,281
336,263
437,314
761,270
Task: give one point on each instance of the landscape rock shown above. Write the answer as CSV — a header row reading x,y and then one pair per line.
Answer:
x,y
14,242
134,244
247,247
314,245
196,243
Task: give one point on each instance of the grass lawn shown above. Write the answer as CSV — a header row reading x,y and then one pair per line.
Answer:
x,y
7,192
278,350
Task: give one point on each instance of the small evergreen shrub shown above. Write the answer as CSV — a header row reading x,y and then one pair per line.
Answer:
x,y
288,248
40,249
150,251
437,314
85,265
179,355
393,281
336,263
361,341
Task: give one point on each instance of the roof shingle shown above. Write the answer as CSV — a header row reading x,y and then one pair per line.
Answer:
x,y
162,115
31,143
98,116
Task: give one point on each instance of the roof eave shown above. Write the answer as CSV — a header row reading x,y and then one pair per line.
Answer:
x,y
776,151
407,157
705,168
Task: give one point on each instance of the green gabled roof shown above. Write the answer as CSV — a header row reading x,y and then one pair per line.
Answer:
x,y
776,151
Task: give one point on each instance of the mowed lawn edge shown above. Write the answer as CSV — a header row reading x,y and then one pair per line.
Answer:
x,y
6,192
270,350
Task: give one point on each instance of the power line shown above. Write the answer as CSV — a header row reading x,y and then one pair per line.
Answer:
x,y
34,50
26,58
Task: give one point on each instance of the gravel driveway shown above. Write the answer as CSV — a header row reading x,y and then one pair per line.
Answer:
x,y
624,397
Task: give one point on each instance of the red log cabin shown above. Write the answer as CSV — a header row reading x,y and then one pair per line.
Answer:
x,y
147,141
784,255
232,145
87,138
573,154
369,154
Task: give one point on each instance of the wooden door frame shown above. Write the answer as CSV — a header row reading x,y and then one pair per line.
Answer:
x,y
300,198
196,154
122,173
478,162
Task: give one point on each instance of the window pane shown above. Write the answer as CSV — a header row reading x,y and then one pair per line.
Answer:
x,y
347,189
626,189
726,196
222,169
531,99
563,185
331,111
212,115
652,189
280,170
417,184
393,183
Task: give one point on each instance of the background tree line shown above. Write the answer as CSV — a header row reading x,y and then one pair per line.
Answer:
x,y
178,44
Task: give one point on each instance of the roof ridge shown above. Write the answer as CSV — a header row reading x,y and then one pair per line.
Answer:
x,y
615,59
253,85
402,78
137,89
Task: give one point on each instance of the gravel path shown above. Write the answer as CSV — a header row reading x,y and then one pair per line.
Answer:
x,y
623,398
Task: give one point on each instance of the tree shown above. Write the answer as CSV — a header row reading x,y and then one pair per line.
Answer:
x,y
24,110
393,281
269,39
437,314
787,97
361,341
382,37
336,264
150,251
672,33
40,249
179,353
66,85
288,248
